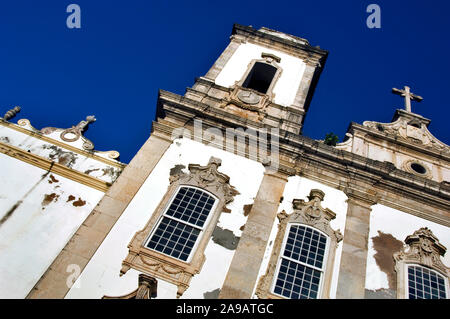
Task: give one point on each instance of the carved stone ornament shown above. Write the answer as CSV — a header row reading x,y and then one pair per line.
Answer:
x,y
309,213
147,289
74,133
249,99
410,128
424,249
168,268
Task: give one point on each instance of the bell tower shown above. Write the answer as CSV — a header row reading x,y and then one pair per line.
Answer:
x,y
263,79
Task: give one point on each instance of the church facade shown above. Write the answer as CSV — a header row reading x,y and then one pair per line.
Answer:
x,y
227,199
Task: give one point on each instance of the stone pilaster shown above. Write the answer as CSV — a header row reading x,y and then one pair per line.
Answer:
x,y
223,59
88,238
244,268
352,272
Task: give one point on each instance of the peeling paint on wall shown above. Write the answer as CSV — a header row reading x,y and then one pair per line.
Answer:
x,y
212,294
63,157
52,179
70,198
4,139
385,246
247,209
176,169
48,198
79,202
225,238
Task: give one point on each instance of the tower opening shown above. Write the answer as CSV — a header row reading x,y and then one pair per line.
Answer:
x,y
260,77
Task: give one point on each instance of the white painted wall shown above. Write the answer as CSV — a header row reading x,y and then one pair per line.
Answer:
x,y
299,188
34,234
101,275
287,85
399,225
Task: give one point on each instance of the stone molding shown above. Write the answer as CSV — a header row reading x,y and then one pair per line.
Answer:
x,y
412,129
424,249
312,159
54,167
309,213
147,289
168,268
25,127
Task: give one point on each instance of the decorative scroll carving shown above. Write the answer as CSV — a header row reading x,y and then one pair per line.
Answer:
x,y
410,128
165,267
147,289
248,99
251,100
74,133
424,249
308,213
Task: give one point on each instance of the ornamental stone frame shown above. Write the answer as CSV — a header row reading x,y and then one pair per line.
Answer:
x,y
424,250
309,213
168,268
250,99
147,289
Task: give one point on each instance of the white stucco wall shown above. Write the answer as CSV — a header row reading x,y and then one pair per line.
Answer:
x,y
287,85
36,230
399,225
299,188
101,275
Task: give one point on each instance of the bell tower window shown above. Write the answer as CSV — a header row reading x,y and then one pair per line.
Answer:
x,y
260,77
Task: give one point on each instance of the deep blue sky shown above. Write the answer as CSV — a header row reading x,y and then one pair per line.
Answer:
x,y
126,50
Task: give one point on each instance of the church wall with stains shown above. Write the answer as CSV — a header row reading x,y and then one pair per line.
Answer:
x,y
47,189
388,229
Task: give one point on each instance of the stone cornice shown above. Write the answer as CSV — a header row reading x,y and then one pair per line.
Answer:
x,y
259,36
373,180
355,127
54,167
47,139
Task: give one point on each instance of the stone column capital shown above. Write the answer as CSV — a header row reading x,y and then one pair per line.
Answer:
x,y
361,198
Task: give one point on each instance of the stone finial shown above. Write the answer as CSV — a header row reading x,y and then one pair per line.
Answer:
x,y
11,113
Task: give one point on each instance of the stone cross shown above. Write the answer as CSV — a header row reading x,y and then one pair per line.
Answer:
x,y
408,97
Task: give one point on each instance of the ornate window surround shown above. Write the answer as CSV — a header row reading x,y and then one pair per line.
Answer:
x,y
250,99
269,59
424,250
208,219
168,268
311,214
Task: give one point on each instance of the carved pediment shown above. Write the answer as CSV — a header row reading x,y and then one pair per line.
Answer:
x,y
308,213
409,127
424,248
163,266
312,213
247,100
209,178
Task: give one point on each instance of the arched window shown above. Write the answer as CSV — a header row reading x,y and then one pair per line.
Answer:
x,y
171,246
301,265
260,77
179,228
420,271
425,283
